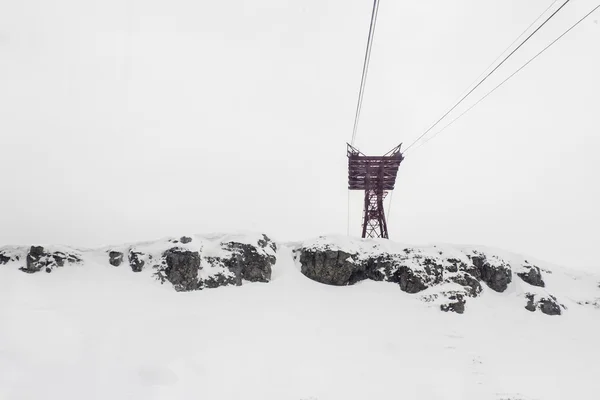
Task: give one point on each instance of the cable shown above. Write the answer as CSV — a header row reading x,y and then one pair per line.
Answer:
x,y
514,73
488,75
509,47
365,71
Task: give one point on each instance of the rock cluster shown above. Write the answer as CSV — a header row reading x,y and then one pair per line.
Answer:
x,y
189,269
546,304
415,271
38,259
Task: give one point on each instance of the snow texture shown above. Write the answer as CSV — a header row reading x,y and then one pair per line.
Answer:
x,y
90,330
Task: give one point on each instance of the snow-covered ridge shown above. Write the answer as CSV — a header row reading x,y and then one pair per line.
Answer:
x,y
448,277
189,262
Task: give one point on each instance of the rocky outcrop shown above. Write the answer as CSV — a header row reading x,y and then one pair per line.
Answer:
x,y
546,304
182,268
497,276
459,273
185,239
533,276
229,263
38,259
412,271
115,258
331,267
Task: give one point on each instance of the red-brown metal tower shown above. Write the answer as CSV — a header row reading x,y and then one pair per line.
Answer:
x,y
376,175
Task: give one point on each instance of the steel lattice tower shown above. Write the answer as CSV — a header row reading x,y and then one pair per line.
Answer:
x,y
376,176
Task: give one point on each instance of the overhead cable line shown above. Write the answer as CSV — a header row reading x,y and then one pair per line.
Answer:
x,y
509,47
487,75
516,72
365,71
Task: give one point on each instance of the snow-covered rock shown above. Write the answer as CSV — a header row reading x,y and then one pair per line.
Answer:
x,y
188,263
454,273
446,277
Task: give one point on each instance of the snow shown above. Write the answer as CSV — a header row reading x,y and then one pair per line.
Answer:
x,y
93,331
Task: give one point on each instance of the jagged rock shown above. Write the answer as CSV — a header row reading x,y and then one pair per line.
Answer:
x,y
135,261
331,267
533,276
185,239
472,286
497,277
246,261
182,268
547,305
411,281
456,304
115,258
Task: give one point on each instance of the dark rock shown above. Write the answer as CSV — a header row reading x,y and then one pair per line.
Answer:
x,y
182,268
497,277
331,267
246,260
219,280
115,258
411,282
135,261
533,277
456,304
38,259
34,260
472,286
383,268
547,305
530,306
185,239
4,258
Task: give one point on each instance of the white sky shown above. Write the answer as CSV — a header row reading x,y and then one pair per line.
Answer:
x,y
125,120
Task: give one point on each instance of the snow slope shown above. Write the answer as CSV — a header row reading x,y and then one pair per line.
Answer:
x,y
99,332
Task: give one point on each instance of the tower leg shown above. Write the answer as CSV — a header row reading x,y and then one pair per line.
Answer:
x,y
374,223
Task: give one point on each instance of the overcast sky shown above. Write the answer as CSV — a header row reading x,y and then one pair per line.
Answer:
x,y
126,120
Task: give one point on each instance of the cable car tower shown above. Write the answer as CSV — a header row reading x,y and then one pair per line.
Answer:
x,y
376,176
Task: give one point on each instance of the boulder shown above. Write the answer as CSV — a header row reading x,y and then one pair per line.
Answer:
x,y
115,258
497,277
185,239
332,267
533,276
182,268
546,304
